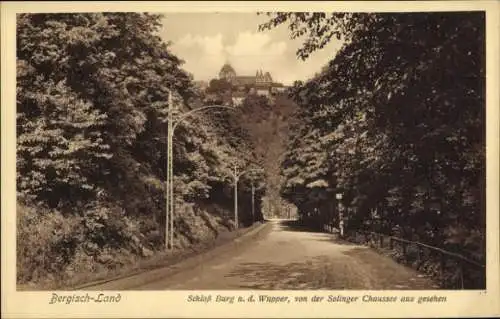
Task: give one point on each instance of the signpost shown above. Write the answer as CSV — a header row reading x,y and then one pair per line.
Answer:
x,y
338,196
253,202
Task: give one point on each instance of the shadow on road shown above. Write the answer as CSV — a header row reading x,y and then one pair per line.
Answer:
x,y
363,269
296,225
340,241
311,274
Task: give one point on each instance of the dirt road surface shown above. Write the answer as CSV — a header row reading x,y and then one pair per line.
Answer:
x,y
285,257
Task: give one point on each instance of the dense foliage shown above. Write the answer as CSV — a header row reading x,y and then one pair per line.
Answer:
x,y
396,123
265,121
92,90
268,122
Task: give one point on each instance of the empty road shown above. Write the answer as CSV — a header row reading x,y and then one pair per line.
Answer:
x,y
284,257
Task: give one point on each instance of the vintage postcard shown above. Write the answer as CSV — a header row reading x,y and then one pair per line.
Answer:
x,y
250,159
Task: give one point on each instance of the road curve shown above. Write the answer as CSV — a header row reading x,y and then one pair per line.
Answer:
x,y
285,258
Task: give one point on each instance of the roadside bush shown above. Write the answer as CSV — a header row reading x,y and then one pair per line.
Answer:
x,y
46,242
52,246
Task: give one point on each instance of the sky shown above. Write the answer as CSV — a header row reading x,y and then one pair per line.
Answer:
x,y
205,41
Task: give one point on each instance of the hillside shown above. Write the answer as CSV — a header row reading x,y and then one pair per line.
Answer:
x,y
92,93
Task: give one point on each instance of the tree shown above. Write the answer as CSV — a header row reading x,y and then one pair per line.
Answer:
x,y
396,121
218,86
91,100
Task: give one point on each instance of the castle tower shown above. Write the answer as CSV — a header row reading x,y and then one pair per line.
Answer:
x,y
260,77
268,78
227,72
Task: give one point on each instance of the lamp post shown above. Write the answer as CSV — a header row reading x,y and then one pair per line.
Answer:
x,y
169,199
338,196
236,174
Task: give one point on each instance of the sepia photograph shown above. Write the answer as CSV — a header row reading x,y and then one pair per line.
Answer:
x,y
250,151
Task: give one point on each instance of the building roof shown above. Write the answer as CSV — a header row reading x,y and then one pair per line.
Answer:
x,y
227,68
262,80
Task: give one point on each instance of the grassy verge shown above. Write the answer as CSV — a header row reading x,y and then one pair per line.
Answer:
x,y
159,260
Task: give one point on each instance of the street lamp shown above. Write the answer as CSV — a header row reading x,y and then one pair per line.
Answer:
x,y
236,174
169,199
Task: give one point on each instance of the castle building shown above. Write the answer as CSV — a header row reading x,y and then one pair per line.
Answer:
x,y
261,84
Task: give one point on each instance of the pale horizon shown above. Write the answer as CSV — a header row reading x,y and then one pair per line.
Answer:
x,y
206,41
